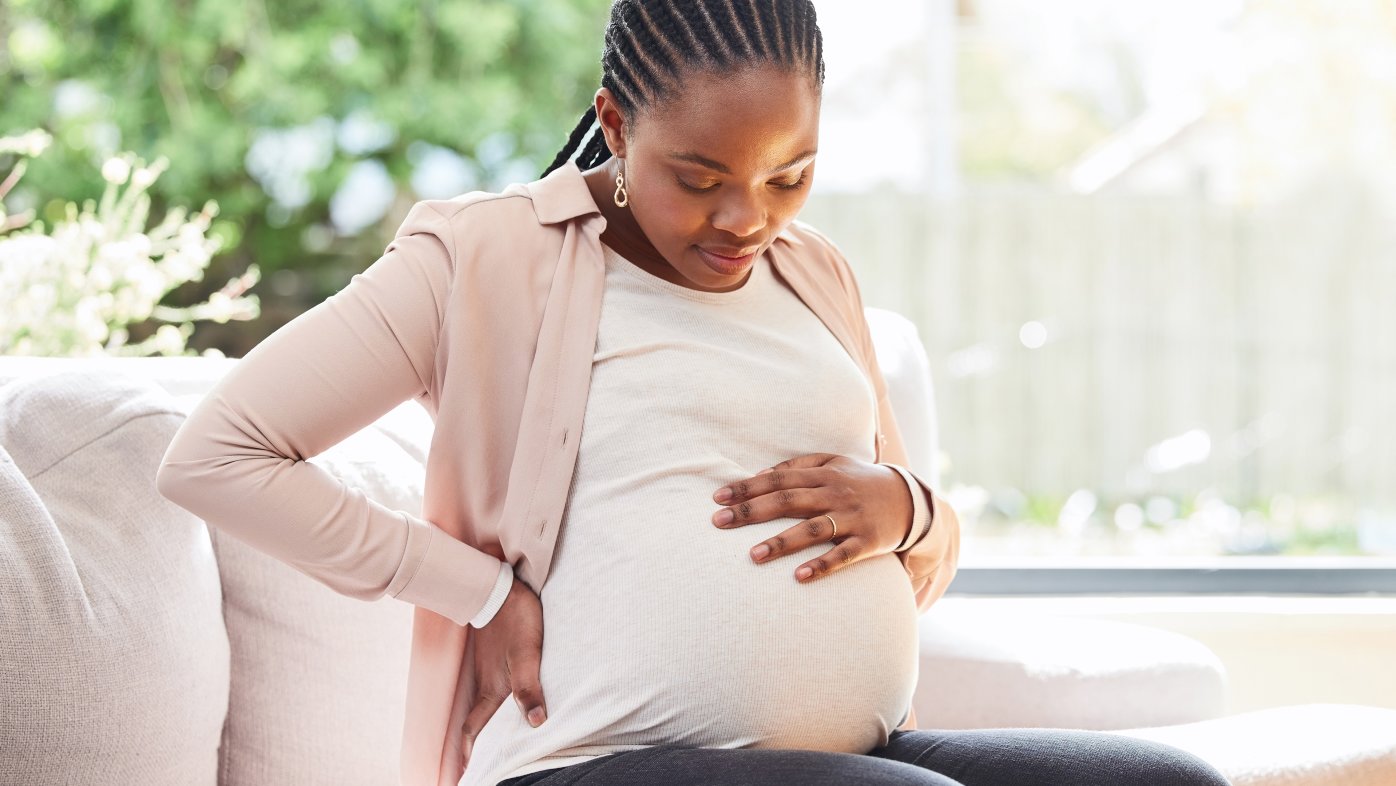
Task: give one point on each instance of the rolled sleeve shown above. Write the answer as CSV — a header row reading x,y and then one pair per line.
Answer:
x,y
932,561
447,576
502,584
920,509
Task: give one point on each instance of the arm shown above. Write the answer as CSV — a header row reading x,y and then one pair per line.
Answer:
x,y
930,563
239,461
920,523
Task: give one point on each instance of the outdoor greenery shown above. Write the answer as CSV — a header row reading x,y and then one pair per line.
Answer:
x,y
1008,522
273,109
73,289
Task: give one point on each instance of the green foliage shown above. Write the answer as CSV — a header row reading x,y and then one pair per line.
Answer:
x,y
195,82
1029,523
70,290
1337,541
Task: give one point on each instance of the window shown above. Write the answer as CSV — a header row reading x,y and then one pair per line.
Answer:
x,y
1150,251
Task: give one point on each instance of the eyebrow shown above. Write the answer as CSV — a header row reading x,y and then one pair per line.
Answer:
x,y
694,158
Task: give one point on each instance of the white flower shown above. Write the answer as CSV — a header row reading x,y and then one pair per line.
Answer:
x,y
88,319
100,276
29,144
140,244
220,307
168,340
99,268
116,170
142,178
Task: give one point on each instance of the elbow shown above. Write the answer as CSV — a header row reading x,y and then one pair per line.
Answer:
x,y
184,465
188,457
169,481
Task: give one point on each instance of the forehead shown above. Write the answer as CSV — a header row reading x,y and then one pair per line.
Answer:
x,y
752,119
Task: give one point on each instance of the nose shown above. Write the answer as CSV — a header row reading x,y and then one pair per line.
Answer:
x,y
740,216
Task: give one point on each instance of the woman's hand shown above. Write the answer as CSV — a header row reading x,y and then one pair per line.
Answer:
x,y
507,654
870,502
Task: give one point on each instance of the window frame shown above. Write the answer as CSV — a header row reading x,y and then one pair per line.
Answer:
x,y
1202,576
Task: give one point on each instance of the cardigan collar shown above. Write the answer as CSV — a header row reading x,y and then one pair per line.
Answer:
x,y
562,195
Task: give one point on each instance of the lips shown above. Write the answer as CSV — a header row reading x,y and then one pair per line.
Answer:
x,y
724,265
730,253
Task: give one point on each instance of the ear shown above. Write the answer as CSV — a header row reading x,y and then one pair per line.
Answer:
x,y
612,119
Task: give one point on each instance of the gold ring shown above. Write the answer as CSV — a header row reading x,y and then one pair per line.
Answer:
x,y
835,525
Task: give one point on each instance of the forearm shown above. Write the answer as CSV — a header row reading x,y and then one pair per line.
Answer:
x,y
931,551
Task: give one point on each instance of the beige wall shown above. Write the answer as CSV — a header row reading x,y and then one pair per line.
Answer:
x,y
1277,650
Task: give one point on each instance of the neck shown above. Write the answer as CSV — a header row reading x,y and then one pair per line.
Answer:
x,y
621,233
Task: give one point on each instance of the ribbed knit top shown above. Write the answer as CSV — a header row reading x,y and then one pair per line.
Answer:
x,y
658,626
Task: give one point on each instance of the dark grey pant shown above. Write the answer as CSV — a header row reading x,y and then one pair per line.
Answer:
x,y
921,757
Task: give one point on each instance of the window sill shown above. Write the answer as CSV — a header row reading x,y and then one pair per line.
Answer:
x,y
1177,576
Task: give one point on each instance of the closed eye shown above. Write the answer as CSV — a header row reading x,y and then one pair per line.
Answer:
x,y
705,189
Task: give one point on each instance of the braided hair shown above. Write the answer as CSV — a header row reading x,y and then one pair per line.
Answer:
x,y
650,43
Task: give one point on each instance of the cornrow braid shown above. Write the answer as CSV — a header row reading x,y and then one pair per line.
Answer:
x,y
650,44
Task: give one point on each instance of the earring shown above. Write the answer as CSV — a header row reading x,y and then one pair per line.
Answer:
x,y
621,198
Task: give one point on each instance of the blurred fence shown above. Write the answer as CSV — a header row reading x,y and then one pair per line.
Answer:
x,y
1183,345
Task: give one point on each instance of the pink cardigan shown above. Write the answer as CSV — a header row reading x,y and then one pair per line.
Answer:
x,y
484,308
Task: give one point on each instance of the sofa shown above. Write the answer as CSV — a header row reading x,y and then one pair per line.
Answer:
x,y
139,646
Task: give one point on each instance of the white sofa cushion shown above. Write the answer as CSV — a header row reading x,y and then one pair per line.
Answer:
x,y
981,670
1299,745
113,655
318,678
905,368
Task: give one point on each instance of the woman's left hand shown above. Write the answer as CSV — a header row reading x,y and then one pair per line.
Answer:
x,y
870,502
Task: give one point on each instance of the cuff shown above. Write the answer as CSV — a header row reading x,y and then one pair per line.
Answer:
x,y
502,584
920,510
443,574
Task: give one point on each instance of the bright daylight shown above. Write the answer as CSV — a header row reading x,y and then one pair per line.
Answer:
x,y
759,392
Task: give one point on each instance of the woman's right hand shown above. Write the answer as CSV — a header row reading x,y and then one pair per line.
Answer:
x,y
508,650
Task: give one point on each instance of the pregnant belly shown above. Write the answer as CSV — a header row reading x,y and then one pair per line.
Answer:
x,y
685,639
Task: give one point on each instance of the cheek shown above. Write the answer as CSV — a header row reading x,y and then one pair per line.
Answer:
x,y
671,222
785,211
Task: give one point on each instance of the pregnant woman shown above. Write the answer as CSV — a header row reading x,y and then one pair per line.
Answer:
x,y
655,397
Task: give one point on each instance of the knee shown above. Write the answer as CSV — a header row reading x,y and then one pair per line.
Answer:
x,y
1172,766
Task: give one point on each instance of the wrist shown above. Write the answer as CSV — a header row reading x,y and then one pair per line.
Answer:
x,y
503,585
916,527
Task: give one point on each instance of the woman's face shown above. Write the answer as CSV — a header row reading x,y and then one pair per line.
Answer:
x,y
720,168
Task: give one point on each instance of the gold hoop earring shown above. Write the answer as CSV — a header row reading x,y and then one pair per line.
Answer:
x,y
621,198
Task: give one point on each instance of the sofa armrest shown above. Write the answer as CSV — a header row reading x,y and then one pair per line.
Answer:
x,y
997,669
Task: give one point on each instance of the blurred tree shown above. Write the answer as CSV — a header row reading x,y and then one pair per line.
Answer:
x,y
1310,95
312,125
1021,115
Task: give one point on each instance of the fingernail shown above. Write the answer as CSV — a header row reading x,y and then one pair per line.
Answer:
x,y
535,716
723,517
465,754
803,573
723,495
761,551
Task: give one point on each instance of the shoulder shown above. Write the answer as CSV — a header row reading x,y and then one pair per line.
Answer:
x,y
801,234
509,213
818,257
483,242
813,248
